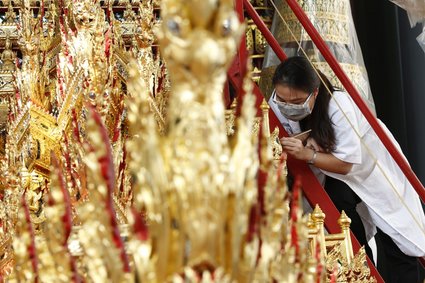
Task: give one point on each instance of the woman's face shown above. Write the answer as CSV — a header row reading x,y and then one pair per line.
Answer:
x,y
294,96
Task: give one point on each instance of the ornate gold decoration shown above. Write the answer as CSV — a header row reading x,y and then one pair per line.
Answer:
x,y
10,15
8,57
129,14
337,250
230,116
95,190
151,65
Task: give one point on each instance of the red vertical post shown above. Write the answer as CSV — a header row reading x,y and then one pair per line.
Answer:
x,y
242,58
226,94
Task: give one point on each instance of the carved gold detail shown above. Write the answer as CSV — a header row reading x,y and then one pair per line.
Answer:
x,y
7,57
119,169
337,250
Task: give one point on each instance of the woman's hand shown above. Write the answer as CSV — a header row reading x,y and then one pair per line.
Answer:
x,y
311,143
296,149
321,160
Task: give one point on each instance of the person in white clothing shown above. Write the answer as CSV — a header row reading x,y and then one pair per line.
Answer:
x,y
344,147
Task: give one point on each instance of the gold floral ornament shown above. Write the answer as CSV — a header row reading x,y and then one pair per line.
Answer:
x,y
150,64
196,188
92,50
10,203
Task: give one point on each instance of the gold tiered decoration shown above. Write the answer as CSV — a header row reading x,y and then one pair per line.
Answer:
x,y
337,250
108,178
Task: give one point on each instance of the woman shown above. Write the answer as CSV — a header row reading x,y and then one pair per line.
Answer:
x,y
343,146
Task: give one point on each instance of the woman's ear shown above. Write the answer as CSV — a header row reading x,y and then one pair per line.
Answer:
x,y
315,93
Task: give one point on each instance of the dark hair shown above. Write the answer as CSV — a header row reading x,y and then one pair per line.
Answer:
x,y
297,72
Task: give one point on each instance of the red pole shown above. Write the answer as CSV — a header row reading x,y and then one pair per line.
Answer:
x,y
271,40
333,63
242,51
239,10
242,59
226,95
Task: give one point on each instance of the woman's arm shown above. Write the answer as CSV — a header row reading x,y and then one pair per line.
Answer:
x,y
323,160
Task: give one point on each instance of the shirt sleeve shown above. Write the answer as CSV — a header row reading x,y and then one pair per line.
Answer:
x,y
345,124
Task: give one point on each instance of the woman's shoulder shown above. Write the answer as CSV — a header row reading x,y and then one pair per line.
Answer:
x,y
341,98
339,93
341,104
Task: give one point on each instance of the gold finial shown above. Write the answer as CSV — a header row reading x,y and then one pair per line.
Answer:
x,y
318,215
310,222
319,218
264,105
344,221
234,104
265,122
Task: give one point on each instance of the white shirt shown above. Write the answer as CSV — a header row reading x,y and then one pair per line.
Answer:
x,y
392,203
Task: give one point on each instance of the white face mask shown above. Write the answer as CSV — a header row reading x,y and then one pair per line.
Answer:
x,y
294,112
